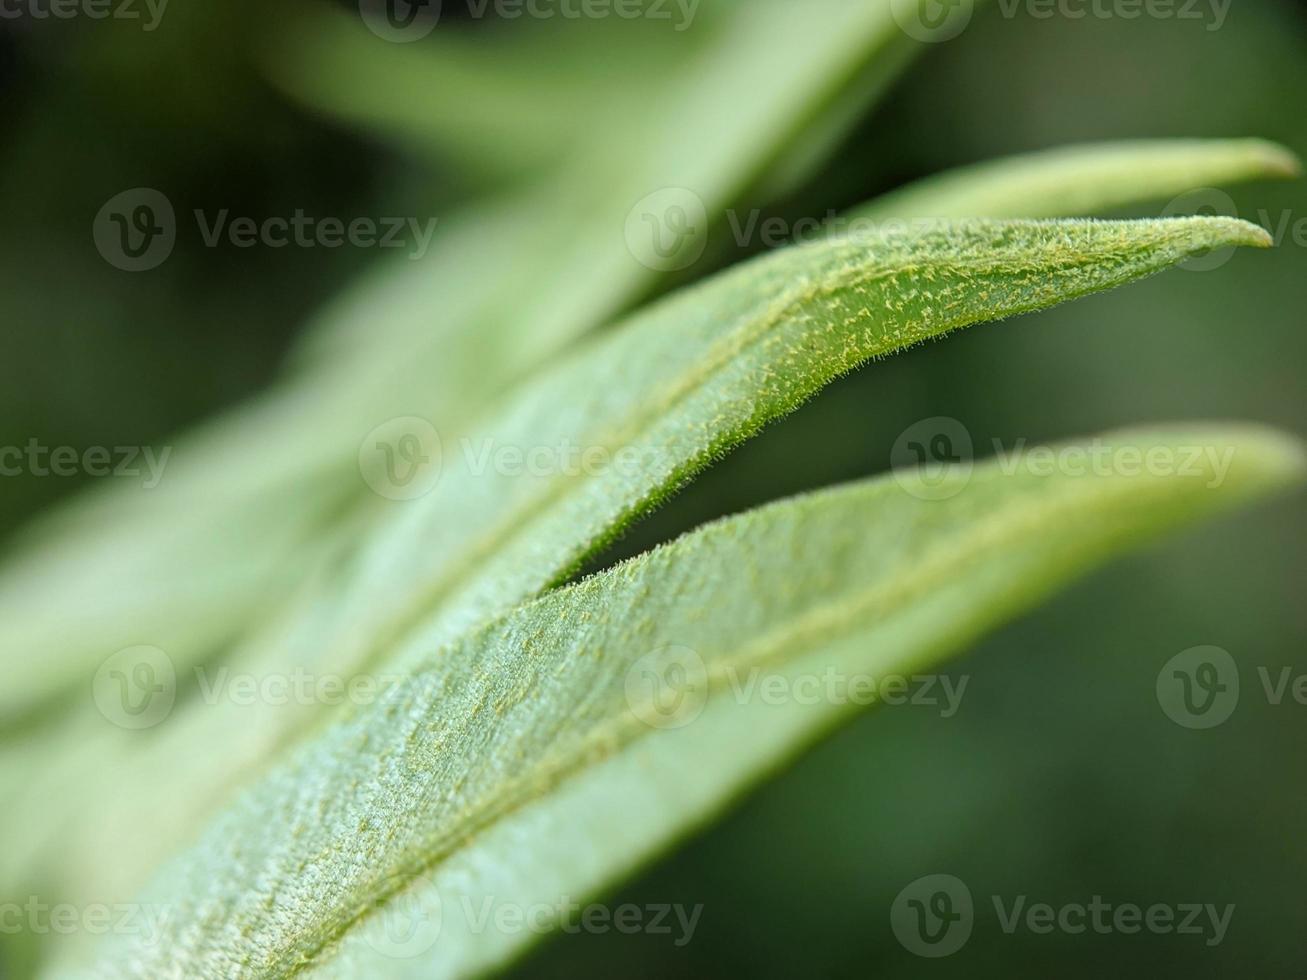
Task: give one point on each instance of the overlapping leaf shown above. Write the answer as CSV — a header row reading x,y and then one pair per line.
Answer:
x,y
347,620
1083,179
685,380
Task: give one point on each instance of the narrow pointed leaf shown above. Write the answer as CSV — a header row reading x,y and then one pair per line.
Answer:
x,y
531,762
1084,179
683,382
697,374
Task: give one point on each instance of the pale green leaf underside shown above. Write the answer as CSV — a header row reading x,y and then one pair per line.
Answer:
x,y
515,763
682,382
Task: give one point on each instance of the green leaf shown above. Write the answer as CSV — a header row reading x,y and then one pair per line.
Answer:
x,y
246,501
514,103
502,103
1087,179
703,370
533,761
684,381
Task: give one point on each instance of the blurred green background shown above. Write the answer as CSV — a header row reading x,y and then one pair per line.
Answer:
x,y
1060,778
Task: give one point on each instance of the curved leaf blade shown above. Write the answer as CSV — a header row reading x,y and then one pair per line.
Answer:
x,y
699,373
1084,179
683,382
529,730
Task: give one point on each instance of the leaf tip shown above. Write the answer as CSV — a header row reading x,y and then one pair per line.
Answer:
x,y
1255,236
1223,232
1263,458
1276,160
1282,457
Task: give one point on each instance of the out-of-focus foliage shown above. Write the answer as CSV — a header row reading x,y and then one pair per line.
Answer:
x,y
434,335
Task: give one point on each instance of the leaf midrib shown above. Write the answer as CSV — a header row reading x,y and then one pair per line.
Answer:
x,y
828,621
